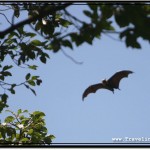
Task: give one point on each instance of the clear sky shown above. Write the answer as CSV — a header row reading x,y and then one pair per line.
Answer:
x,y
103,115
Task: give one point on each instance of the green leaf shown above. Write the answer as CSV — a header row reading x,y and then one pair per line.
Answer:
x,y
39,113
36,43
30,131
52,137
24,140
48,139
19,111
3,134
30,34
28,76
25,111
33,67
31,82
34,77
13,34
11,132
9,119
64,23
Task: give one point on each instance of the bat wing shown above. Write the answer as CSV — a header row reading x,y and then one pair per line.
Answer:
x,y
92,89
115,79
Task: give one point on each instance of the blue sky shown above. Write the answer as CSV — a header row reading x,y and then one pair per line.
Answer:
x,y
103,115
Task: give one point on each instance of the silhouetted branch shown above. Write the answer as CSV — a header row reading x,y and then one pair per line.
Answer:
x,y
42,13
71,58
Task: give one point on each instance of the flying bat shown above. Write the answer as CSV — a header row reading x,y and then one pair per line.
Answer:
x,y
110,84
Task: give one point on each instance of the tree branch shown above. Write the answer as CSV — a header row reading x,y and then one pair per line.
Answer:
x,y
71,58
42,13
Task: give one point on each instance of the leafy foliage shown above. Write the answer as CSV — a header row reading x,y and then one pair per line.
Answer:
x,y
29,82
20,129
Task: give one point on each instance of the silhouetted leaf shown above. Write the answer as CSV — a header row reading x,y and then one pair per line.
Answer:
x,y
87,13
28,76
67,43
33,91
38,81
43,59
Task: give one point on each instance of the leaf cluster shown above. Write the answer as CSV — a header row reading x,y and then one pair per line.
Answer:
x,y
23,128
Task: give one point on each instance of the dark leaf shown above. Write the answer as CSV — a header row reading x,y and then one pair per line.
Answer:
x,y
33,91
28,76
87,13
26,86
43,59
38,81
10,131
12,90
16,10
67,43
2,77
4,97
6,73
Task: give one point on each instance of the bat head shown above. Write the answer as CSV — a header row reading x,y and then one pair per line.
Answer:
x,y
104,82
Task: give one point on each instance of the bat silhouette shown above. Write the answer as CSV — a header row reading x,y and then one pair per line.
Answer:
x,y
110,84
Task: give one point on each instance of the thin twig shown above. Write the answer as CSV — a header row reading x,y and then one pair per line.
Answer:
x,y
6,18
107,34
82,22
71,58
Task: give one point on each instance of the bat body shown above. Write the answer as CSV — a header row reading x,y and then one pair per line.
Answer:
x,y
110,84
